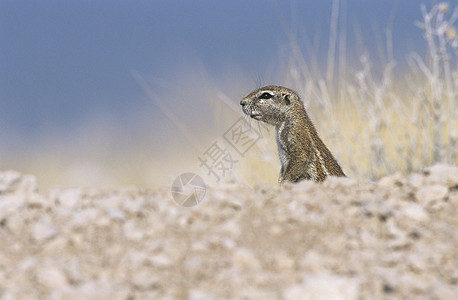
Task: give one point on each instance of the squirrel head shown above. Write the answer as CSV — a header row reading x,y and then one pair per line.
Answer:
x,y
272,104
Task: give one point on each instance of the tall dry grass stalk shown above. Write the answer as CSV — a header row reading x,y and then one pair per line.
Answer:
x,y
379,124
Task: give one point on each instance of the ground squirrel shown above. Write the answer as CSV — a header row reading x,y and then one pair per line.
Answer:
x,y
303,154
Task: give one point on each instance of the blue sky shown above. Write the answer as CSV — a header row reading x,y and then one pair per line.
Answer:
x,y
61,60
66,66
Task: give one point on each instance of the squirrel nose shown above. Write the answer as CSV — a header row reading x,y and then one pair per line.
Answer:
x,y
243,102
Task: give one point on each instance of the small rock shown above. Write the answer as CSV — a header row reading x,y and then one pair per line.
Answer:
x,y
84,217
37,201
28,185
398,237
133,206
275,230
415,212
103,221
132,232
323,286
231,227
115,213
160,260
428,194
245,259
284,261
144,279
443,174
44,229
51,277
391,181
10,204
334,182
200,295
27,263
7,181
416,181
70,197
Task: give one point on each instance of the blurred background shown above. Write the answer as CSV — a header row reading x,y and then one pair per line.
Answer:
x,y
108,93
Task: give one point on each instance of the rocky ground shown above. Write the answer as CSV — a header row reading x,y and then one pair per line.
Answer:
x,y
394,239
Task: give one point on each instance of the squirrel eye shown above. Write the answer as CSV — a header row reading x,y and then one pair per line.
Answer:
x,y
265,96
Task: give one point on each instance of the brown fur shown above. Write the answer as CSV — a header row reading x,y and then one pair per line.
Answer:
x,y
302,153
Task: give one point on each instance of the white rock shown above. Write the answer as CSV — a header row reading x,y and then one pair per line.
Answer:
x,y
7,181
444,174
245,259
27,263
10,204
37,201
415,212
160,260
390,181
323,286
103,221
284,261
231,227
44,229
276,230
110,202
92,290
115,213
84,217
132,232
416,181
28,184
200,295
144,279
133,206
428,194
51,277
70,197
333,182
228,243
398,237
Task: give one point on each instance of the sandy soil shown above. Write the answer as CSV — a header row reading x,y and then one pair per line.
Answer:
x,y
394,239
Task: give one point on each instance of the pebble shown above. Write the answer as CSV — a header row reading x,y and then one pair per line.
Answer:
x,y
334,182
133,206
443,174
69,198
115,213
8,181
10,204
415,212
51,277
84,217
390,181
416,180
336,240
161,260
144,279
44,229
245,259
132,232
323,286
431,193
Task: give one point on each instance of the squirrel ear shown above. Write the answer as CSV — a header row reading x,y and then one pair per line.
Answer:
x,y
287,101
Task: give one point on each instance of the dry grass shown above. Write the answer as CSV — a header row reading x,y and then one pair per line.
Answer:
x,y
377,125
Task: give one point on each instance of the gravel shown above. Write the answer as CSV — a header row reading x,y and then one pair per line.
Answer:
x,y
393,239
